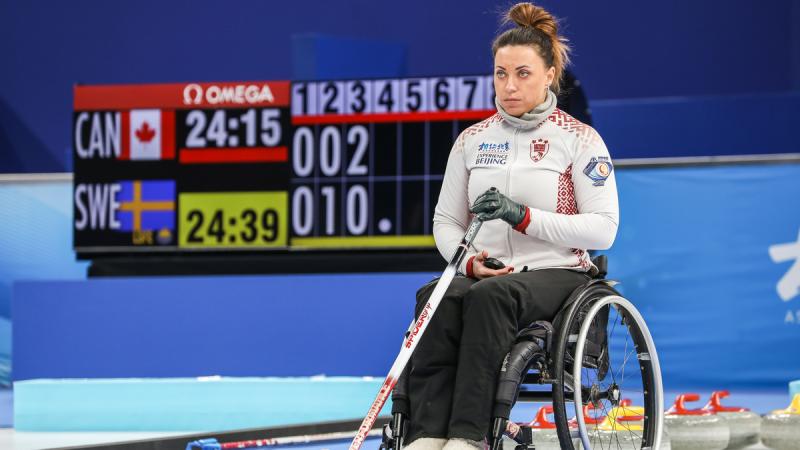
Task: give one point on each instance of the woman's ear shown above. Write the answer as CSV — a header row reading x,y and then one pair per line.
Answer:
x,y
551,75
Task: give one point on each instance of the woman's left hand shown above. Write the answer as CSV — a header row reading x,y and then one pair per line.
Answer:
x,y
480,271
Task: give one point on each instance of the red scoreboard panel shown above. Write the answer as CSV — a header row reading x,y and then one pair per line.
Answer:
x,y
272,165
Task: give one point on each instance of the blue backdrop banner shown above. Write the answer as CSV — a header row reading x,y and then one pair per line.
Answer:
x,y
712,257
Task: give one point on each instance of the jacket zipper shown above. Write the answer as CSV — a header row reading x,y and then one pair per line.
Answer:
x,y
508,193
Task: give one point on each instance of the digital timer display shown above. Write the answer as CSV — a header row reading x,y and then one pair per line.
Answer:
x,y
233,219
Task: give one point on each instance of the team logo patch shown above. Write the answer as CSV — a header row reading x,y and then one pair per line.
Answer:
x,y
539,148
599,169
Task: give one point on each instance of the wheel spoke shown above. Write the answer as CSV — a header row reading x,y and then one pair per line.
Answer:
x,y
627,357
633,436
605,413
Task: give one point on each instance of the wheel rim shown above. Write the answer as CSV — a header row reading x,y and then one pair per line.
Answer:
x,y
633,373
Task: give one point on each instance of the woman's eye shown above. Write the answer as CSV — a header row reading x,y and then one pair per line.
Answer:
x,y
524,74
500,74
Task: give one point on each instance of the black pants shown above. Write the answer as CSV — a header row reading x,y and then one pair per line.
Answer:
x,y
455,366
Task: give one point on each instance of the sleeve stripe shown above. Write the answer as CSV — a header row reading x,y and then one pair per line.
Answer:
x,y
469,266
522,226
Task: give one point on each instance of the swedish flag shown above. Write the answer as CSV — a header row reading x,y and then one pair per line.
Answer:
x,y
147,205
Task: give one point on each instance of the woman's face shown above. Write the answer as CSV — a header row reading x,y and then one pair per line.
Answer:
x,y
520,78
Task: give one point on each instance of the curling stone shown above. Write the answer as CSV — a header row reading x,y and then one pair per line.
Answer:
x,y
592,420
544,433
744,424
623,427
601,430
695,429
780,429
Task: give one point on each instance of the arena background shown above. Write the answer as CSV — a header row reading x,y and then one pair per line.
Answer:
x,y
703,244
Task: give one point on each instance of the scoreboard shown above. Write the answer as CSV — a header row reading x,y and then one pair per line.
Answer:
x,y
266,165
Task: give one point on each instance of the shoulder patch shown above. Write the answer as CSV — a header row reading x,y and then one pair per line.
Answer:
x,y
599,169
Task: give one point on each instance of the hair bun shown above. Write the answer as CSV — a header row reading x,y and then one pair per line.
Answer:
x,y
539,29
529,15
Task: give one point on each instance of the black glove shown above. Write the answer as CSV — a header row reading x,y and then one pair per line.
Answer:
x,y
494,205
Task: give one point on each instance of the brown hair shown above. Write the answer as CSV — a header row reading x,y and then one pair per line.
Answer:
x,y
538,28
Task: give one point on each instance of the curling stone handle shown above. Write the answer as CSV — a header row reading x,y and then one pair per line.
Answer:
x,y
715,403
541,420
679,407
587,418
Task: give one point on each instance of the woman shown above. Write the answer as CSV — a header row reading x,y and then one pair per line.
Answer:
x,y
556,197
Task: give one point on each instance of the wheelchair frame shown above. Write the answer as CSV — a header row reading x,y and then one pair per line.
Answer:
x,y
541,355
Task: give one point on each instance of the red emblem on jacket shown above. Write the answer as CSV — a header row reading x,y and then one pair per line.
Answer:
x,y
539,148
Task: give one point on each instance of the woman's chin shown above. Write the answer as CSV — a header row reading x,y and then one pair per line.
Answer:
x,y
514,110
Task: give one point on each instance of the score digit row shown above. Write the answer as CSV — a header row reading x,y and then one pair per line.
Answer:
x,y
392,96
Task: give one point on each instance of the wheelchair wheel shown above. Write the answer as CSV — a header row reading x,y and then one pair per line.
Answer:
x,y
620,377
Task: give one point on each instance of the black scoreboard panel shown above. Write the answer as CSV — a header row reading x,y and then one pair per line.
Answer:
x,y
342,165
368,156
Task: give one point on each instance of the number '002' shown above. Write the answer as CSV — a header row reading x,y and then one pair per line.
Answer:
x,y
329,142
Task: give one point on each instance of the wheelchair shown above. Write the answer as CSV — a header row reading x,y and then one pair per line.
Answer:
x,y
618,366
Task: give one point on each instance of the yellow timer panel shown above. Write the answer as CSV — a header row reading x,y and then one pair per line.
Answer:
x,y
233,219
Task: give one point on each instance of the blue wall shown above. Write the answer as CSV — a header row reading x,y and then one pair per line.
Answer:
x,y
35,235
625,49
699,126
298,325
693,252
795,49
35,244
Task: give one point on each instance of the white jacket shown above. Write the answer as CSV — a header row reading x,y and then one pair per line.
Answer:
x,y
552,163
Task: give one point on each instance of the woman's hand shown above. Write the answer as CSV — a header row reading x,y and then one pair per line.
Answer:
x,y
480,271
494,205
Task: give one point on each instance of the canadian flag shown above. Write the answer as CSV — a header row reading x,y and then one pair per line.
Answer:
x,y
148,134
